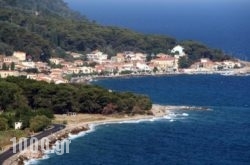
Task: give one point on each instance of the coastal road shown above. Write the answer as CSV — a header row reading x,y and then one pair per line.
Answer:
x,y
7,154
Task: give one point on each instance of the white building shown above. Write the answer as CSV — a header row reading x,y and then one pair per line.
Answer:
x,y
75,55
143,66
97,56
56,61
4,73
20,55
178,49
87,70
18,125
28,65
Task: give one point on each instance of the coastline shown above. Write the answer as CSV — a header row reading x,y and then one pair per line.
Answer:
x,y
244,71
77,127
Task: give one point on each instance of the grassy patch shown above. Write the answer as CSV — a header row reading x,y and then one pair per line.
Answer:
x,y
5,137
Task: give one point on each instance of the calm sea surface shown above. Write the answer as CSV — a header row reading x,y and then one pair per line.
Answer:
x,y
219,136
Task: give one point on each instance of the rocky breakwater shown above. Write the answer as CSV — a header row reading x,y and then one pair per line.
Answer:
x,y
161,110
38,153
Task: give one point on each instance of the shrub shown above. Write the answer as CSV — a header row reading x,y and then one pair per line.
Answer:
x,y
3,124
38,123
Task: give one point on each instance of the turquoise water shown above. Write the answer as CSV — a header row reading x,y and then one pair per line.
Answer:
x,y
218,136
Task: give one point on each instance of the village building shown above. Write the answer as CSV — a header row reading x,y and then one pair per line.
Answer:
x,y
127,67
141,57
18,125
28,64
110,69
119,58
143,67
74,55
97,56
56,61
20,67
178,50
164,63
4,73
78,63
31,76
42,66
87,70
67,64
73,70
99,68
56,72
60,81
21,56
10,59
43,77
204,64
134,57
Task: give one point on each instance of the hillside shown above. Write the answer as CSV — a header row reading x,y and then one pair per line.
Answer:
x,y
50,27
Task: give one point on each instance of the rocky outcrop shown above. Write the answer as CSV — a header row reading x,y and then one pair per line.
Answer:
x,y
27,154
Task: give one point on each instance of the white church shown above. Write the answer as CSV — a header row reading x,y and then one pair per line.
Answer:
x,y
178,49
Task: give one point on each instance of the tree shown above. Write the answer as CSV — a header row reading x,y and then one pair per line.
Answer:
x,y
5,67
149,57
38,123
26,99
12,66
3,124
184,62
155,69
10,95
46,112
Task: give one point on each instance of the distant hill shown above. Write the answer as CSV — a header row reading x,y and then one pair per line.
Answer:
x,y
51,28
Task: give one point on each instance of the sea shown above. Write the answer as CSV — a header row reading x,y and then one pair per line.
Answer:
x,y
220,135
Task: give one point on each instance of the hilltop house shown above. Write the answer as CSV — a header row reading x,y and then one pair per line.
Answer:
x,y
178,50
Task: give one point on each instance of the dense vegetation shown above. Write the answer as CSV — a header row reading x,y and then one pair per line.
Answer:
x,y
49,28
196,51
23,99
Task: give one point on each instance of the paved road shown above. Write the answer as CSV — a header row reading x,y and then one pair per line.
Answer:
x,y
7,154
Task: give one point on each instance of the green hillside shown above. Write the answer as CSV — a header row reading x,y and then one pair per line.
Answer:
x,y
50,27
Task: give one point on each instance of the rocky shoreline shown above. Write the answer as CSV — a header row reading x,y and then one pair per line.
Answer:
x,y
27,154
59,136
